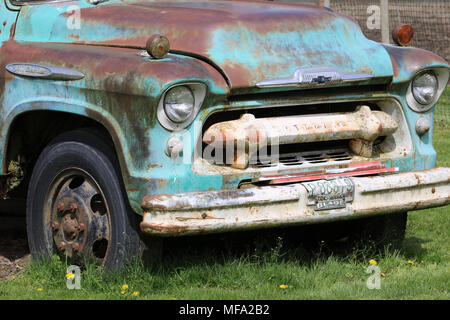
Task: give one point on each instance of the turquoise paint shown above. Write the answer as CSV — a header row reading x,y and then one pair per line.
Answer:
x,y
331,40
7,18
279,54
409,60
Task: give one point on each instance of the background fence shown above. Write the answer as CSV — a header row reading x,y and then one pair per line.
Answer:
x,y
429,18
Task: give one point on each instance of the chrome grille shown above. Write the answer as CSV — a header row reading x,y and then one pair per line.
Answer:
x,y
304,158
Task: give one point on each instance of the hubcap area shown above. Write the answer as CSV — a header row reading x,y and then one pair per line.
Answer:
x,y
79,217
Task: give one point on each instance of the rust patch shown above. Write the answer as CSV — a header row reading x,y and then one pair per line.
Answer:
x,y
152,166
12,31
181,201
166,229
74,36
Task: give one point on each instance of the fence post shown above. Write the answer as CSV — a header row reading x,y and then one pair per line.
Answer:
x,y
323,3
385,28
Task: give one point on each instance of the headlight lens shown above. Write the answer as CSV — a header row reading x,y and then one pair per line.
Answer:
x,y
179,104
425,87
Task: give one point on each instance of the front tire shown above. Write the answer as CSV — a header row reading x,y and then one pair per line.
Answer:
x,y
381,231
76,204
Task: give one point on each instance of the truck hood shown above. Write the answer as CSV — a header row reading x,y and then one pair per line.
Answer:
x,y
249,41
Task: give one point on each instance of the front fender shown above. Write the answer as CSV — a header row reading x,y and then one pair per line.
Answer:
x,y
121,89
407,61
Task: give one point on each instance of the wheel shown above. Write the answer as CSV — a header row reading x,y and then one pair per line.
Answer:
x,y
381,230
76,204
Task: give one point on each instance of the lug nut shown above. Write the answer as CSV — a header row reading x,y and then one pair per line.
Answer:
x,y
60,206
62,245
73,207
55,226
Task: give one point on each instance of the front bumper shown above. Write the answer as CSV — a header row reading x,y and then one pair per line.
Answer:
x,y
282,205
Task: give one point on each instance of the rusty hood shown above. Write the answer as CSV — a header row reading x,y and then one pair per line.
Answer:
x,y
248,41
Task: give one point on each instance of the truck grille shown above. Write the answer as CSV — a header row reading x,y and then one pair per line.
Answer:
x,y
285,154
304,159
325,135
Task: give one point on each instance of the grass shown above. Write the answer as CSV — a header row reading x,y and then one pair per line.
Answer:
x,y
442,112
254,265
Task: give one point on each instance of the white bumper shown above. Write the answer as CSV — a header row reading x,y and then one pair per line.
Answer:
x,y
263,207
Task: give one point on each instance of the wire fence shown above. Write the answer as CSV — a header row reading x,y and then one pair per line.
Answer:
x,y
429,18
442,112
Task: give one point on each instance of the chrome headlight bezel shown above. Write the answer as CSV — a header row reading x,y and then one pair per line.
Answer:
x,y
199,93
416,87
179,103
441,75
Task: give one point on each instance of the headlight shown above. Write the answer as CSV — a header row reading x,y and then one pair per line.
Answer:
x,y
425,88
179,104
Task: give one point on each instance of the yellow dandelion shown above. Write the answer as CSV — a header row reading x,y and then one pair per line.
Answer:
x,y
70,275
284,286
13,277
125,287
40,289
373,262
410,262
135,294
123,292
421,261
383,275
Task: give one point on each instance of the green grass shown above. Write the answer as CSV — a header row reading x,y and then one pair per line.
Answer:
x,y
253,267
442,112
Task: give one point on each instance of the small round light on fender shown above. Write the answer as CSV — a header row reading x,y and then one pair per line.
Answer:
x,y
403,34
423,125
157,46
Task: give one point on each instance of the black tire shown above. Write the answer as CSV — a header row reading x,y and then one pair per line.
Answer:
x,y
381,231
77,205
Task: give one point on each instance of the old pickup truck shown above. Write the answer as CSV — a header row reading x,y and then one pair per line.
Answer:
x,y
121,119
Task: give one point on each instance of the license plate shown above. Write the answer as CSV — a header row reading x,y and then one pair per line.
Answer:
x,y
329,194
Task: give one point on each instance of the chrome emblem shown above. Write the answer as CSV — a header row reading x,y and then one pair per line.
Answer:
x,y
313,76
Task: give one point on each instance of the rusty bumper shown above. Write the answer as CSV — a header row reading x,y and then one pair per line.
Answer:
x,y
272,206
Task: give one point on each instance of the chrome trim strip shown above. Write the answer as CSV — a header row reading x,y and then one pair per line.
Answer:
x,y
43,72
307,77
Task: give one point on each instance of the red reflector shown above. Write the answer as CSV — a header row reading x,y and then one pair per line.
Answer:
x,y
403,34
354,169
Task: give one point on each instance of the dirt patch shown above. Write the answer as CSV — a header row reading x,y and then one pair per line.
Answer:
x,y
14,254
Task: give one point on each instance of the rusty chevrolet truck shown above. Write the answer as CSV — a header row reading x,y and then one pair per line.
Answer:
x,y
121,119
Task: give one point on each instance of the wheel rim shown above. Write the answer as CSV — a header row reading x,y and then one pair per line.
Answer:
x,y
78,217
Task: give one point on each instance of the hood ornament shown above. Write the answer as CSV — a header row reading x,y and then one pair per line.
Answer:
x,y
309,77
